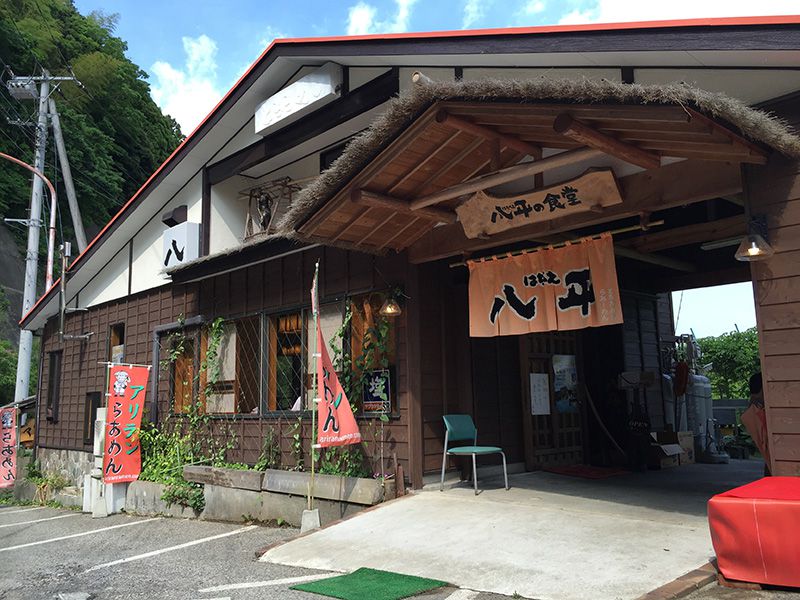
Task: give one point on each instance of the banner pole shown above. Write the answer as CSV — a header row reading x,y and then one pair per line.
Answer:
x,y
314,376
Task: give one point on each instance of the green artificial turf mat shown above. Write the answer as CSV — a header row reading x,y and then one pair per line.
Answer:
x,y
370,584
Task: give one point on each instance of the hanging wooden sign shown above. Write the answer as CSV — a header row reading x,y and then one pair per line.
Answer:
x,y
484,214
550,289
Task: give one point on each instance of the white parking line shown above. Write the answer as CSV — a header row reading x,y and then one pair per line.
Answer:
x,y
170,549
74,535
272,582
11,512
40,520
462,595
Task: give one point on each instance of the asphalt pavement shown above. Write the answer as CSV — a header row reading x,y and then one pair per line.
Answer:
x,y
48,553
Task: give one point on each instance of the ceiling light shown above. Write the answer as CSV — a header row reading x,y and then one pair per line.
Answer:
x,y
754,247
390,308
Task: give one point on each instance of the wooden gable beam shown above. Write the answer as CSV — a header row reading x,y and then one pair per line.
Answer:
x,y
695,233
374,199
655,259
507,175
569,127
462,124
684,182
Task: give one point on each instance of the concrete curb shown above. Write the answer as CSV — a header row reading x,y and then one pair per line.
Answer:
x,y
262,551
685,584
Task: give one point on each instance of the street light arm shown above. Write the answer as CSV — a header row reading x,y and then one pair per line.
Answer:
x,y
52,228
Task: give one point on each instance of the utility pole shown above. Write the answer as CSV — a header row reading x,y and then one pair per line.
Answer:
x,y
32,254
66,173
24,88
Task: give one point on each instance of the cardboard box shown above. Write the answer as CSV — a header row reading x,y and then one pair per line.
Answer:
x,y
664,456
686,442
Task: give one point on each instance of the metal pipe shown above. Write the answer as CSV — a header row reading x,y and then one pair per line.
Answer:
x,y
500,255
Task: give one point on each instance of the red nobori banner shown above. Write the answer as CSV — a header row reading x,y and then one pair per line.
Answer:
x,y
550,289
122,459
8,447
337,425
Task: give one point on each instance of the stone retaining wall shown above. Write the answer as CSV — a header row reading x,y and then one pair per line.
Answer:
x,y
72,464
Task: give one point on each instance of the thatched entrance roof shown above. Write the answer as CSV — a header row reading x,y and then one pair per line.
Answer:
x,y
413,151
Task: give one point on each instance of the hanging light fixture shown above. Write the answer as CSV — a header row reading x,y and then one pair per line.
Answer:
x,y
390,308
754,246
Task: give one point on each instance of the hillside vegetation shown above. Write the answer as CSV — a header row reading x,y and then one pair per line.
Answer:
x,y
115,134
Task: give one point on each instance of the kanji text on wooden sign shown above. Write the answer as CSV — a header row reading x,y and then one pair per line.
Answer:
x,y
484,214
550,289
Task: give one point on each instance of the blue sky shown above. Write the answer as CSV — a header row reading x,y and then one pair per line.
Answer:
x,y
195,50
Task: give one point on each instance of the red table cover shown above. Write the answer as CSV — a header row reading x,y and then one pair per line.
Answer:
x,y
755,530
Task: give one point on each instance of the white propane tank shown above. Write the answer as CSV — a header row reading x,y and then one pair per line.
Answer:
x,y
700,413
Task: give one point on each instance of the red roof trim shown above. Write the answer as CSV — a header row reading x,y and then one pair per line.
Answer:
x,y
545,29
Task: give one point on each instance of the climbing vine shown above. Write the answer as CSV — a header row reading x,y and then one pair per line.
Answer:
x,y
187,438
355,372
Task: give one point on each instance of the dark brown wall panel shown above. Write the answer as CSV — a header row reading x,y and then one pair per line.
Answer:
x,y
282,284
774,191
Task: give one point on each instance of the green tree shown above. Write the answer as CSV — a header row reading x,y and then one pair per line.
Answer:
x,y
734,358
115,134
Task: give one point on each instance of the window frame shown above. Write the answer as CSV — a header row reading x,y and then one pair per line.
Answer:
x,y
265,316
92,401
55,361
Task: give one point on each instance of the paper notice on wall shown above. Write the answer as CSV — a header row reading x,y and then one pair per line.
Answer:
x,y
540,393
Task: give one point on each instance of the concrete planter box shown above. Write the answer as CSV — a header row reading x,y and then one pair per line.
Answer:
x,y
353,490
144,498
233,495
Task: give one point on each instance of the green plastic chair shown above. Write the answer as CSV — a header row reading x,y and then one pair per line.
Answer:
x,y
459,428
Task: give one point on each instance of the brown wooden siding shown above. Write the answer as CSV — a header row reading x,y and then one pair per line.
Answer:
x,y
81,372
277,285
648,321
464,375
775,191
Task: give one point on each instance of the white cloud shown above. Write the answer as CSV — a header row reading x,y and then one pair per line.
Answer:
x,y
474,11
611,11
533,7
188,94
362,18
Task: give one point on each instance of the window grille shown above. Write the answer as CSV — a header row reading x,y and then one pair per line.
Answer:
x,y
262,364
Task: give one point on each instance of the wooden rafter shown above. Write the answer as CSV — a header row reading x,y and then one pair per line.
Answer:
x,y
398,233
469,149
374,199
695,233
404,177
376,229
566,125
655,259
507,175
352,221
488,133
